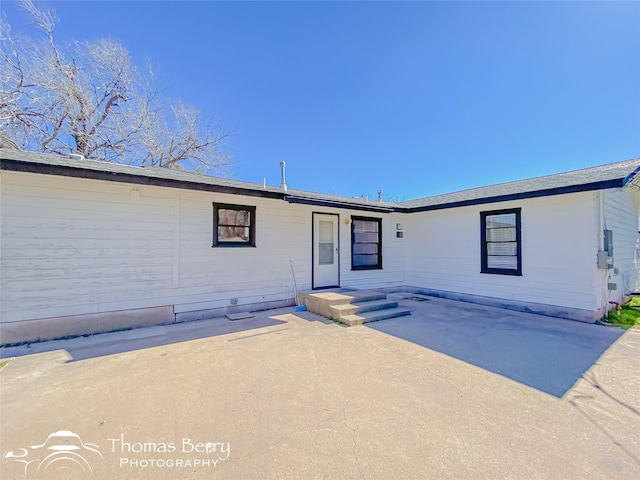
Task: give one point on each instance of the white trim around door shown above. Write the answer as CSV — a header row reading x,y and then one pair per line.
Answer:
x,y
326,250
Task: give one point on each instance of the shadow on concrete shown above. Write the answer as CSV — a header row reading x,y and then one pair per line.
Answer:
x,y
548,354
99,345
591,408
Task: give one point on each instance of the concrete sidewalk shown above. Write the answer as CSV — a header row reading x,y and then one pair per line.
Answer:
x,y
294,396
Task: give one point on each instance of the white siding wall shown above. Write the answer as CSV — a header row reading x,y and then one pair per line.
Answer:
x,y
621,217
209,277
63,254
253,275
73,246
558,252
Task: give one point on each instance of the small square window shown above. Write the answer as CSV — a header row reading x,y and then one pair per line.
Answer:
x,y
233,225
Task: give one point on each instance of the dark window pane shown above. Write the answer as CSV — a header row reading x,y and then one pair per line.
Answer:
x,y
365,248
365,260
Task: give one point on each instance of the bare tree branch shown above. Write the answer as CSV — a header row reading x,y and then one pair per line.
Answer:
x,y
89,98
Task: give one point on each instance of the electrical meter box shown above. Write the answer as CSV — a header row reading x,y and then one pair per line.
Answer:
x,y
605,262
608,242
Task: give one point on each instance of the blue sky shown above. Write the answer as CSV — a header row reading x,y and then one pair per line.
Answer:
x,y
413,98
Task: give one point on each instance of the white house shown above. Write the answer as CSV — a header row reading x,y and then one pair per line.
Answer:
x,y
89,246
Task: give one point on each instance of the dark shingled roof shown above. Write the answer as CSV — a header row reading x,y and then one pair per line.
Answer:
x,y
614,175
70,164
18,160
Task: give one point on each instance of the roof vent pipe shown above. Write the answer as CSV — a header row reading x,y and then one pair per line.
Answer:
x,y
379,195
284,180
76,156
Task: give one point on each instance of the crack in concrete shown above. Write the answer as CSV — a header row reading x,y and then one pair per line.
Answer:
x,y
353,441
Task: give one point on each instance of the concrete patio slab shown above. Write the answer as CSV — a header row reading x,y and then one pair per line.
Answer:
x,y
304,398
546,353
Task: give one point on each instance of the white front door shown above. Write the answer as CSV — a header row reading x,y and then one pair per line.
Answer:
x,y
326,262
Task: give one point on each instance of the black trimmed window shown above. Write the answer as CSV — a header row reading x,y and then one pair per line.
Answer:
x,y
234,225
501,242
366,243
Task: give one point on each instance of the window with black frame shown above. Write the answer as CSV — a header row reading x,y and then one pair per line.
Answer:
x,y
366,243
501,243
233,225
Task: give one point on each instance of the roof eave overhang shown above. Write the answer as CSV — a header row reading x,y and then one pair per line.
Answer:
x,y
586,187
64,171
338,204
121,177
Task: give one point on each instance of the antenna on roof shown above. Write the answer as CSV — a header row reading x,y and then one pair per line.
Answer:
x,y
284,180
379,195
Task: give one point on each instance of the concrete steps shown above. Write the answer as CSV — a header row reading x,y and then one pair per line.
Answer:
x,y
350,306
371,306
361,296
